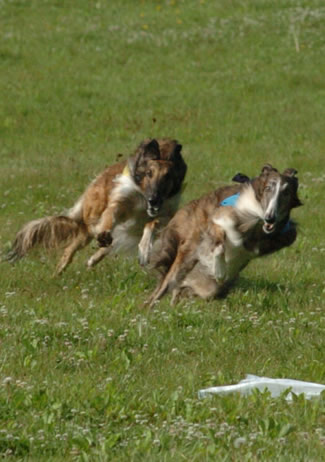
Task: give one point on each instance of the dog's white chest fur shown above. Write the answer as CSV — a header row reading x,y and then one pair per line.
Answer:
x,y
225,260
128,231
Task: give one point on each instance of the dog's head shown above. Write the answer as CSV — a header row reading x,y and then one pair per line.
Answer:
x,y
278,194
154,175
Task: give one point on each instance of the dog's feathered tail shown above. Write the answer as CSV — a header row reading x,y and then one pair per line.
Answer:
x,y
51,232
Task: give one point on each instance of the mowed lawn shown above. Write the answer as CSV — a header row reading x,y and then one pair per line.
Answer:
x,y
86,371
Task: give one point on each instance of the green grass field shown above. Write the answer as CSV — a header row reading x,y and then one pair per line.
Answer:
x,y
86,373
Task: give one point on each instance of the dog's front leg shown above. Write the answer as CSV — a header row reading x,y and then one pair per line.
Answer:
x,y
145,245
220,267
218,238
105,226
103,234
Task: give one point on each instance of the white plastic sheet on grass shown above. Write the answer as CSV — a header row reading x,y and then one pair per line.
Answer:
x,y
274,386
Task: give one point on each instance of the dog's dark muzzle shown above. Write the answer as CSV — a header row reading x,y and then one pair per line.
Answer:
x,y
153,207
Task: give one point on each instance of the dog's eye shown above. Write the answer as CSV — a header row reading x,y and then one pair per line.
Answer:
x,y
149,173
137,178
268,188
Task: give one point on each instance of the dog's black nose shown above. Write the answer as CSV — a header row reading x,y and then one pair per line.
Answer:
x,y
153,201
270,219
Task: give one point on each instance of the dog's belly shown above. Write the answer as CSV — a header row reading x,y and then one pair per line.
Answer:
x,y
127,234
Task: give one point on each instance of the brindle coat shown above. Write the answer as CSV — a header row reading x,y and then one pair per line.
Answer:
x,y
194,239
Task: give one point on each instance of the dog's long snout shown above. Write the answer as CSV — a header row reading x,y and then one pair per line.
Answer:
x,y
269,223
154,204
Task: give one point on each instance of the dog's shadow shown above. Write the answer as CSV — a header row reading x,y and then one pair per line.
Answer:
x,y
259,284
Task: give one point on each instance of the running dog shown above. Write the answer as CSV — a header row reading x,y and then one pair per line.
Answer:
x,y
210,240
121,208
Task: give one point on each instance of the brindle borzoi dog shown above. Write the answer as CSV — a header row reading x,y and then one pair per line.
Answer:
x,y
122,207
205,245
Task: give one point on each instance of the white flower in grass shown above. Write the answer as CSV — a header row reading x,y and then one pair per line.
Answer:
x,y
239,441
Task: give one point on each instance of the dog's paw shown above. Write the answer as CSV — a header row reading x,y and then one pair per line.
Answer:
x,y
144,252
104,239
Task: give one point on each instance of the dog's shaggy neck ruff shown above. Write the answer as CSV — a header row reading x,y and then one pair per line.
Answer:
x,y
245,204
248,206
125,186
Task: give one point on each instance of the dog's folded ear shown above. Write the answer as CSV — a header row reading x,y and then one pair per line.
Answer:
x,y
291,172
151,150
178,148
293,179
177,159
147,150
241,178
170,149
179,168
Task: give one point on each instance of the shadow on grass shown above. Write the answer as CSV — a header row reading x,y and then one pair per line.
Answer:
x,y
257,284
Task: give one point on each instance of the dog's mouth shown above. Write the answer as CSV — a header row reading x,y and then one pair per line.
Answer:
x,y
269,228
152,211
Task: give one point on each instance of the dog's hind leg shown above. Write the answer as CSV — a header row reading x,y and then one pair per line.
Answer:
x,y
105,240
220,268
198,283
176,295
80,242
183,263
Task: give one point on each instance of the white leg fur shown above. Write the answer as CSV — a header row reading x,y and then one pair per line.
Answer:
x,y
145,246
220,268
